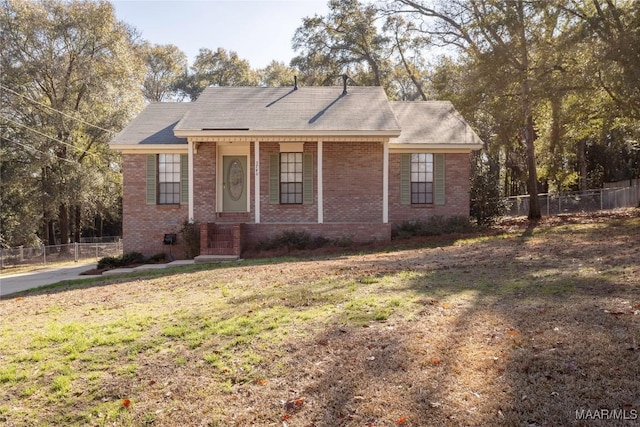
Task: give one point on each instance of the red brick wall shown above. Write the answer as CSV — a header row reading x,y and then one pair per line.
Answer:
x,y
204,179
457,187
352,190
284,213
352,181
144,226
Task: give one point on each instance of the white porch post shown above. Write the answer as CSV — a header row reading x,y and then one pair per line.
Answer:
x,y
190,162
385,182
320,186
256,154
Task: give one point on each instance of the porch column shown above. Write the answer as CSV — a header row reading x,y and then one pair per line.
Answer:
x,y
320,186
385,182
256,186
190,162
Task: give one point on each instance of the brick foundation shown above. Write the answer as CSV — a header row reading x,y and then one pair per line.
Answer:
x,y
354,232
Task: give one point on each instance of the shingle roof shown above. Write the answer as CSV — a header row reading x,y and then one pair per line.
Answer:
x,y
433,122
154,125
308,109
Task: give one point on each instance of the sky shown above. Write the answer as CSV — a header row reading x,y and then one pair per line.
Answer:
x,y
258,30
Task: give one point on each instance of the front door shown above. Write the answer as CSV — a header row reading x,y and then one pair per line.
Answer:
x,y
234,184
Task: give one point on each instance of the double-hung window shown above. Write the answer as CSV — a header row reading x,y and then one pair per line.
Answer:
x,y
421,179
290,178
167,179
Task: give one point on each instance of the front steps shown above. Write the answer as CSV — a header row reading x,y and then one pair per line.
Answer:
x,y
211,259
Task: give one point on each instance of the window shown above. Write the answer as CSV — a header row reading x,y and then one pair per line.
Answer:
x,y
168,179
291,178
421,178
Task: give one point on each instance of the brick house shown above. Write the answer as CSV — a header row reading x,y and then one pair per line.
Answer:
x,y
246,163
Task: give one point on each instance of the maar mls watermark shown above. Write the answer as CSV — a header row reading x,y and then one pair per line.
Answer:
x,y
607,414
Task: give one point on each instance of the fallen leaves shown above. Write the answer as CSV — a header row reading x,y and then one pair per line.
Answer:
x,y
401,420
292,406
126,403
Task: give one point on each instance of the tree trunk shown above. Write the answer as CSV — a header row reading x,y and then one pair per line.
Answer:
x,y
77,223
529,132
410,71
63,218
554,141
532,180
45,229
52,232
582,163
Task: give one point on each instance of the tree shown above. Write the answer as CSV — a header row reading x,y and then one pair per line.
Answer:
x,y
70,79
346,41
411,67
503,36
612,30
277,74
166,64
219,68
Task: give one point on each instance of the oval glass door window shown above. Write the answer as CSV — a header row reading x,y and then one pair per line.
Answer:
x,y
235,180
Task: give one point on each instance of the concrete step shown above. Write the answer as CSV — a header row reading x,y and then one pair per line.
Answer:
x,y
206,259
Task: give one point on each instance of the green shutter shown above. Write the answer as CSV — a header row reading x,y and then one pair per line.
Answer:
x,y
274,179
151,179
405,179
438,179
307,178
184,179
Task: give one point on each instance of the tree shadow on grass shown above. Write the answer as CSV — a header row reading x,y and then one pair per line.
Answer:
x,y
528,336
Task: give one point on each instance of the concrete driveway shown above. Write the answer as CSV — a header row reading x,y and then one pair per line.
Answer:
x,y
10,284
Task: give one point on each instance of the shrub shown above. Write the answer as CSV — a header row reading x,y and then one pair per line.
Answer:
x,y
292,240
109,262
126,259
159,257
191,235
133,258
434,226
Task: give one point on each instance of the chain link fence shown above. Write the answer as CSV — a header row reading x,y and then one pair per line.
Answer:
x,y
574,202
21,256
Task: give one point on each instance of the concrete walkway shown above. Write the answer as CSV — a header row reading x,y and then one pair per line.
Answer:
x,y
13,283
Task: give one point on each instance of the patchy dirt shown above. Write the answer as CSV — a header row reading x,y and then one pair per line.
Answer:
x,y
528,326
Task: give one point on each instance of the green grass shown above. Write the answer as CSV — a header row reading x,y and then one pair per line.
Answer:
x,y
202,342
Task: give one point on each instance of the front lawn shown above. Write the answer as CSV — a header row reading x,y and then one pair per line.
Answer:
x,y
527,327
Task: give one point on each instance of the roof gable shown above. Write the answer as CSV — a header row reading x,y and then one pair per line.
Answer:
x,y
154,125
433,123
